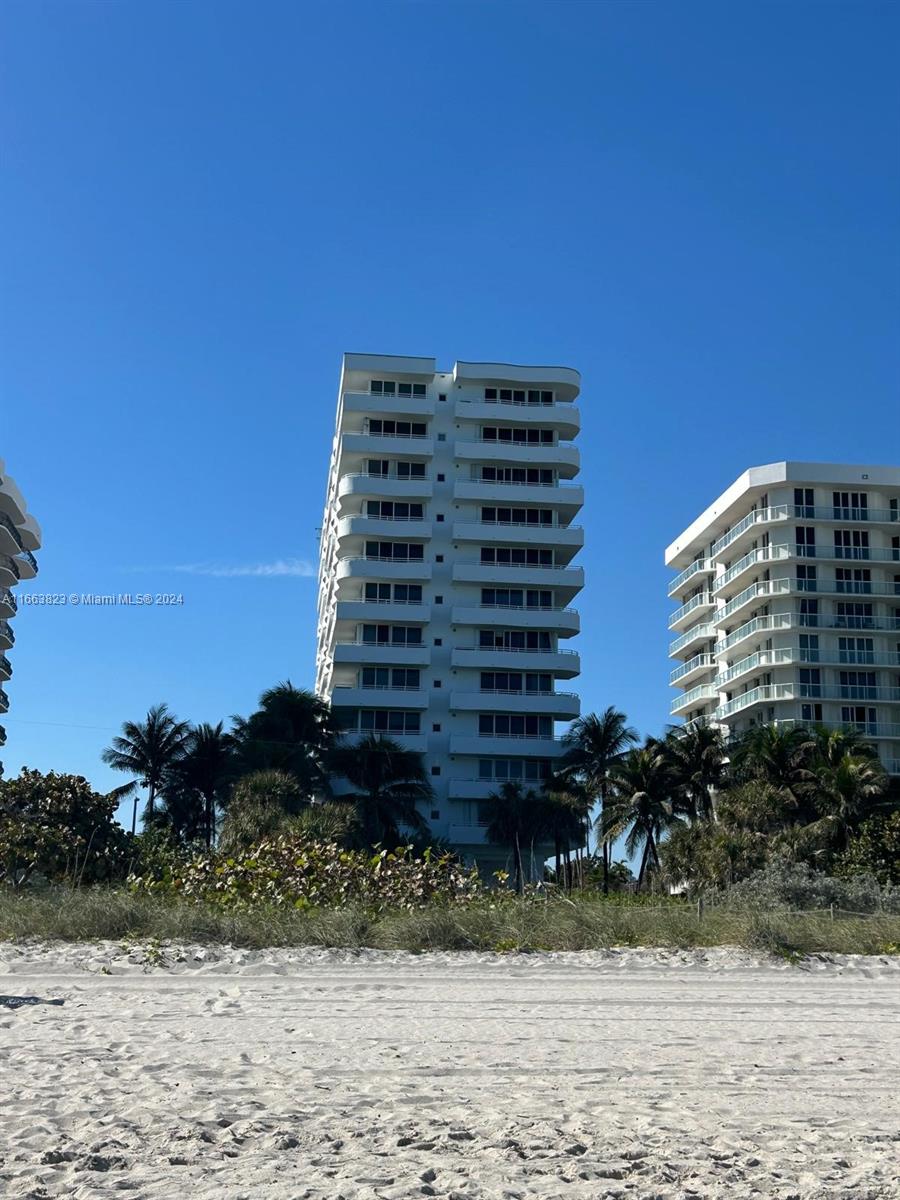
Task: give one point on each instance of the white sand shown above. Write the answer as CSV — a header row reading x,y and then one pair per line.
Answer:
x,y
326,1074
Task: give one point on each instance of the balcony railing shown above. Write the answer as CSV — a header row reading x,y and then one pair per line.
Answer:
x,y
523,737
872,729
704,600
849,587
757,517
840,512
529,608
519,649
764,554
6,630
553,483
5,664
764,658
757,695
766,587
698,631
414,437
524,692
697,663
10,565
756,625
8,599
696,695
11,529
849,553
531,524
378,687
526,566
699,566
4,701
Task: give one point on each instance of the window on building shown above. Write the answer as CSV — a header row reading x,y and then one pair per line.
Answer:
x,y
851,543
806,541
804,503
516,725
809,647
853,579
850,506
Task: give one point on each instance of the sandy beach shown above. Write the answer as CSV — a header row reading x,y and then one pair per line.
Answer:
x,y
216,1072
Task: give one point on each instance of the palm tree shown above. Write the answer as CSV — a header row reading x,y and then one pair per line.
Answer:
x,y
640,806
698,758
260,805
775,754
594,745
389,782
845,793
292,730
516,818
205,772
147,750
567,817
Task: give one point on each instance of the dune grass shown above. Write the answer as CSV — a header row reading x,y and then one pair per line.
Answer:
x,y
505,925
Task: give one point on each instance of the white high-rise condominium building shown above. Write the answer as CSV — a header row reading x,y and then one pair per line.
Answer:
x,y
446,572
20,534
788,594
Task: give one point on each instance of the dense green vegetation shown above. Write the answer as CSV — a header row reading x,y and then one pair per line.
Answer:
x,y
279,831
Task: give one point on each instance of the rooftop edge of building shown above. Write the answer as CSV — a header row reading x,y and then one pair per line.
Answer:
x,y
567,379
725,507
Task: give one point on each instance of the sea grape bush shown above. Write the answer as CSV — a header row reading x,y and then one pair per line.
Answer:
x,y
292,871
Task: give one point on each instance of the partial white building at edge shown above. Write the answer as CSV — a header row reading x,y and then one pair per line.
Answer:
x,y
446,573
788,603
20,535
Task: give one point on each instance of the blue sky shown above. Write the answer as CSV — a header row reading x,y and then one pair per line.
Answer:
x,y
205,204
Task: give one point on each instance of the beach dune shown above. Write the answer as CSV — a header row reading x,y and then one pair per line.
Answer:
x,y
216,1072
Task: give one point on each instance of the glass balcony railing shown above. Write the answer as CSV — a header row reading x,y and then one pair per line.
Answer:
x,y
697,633
8,599
6,631
849,587
5,665
700,566
698,663
759,516
765,554
766,587
840,512
704,600
10,564
697,695
749,628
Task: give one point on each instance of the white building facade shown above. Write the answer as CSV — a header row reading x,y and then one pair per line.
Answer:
x,y
788,595
446,572
20,535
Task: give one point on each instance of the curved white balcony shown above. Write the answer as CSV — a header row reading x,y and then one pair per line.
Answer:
x,y
8,604
704,694
840,515
691,576
697,606
383,612
564,457
2,736
409,741
4,701
471,835
564,418
358,525
389,405
564,706
10,536
5,667
31,533
7,637
751,629
381,655
10,571
12,502
564,621
559,537
513,747
27,564
385,569
731,582
564,664
699,633
375,446
871,729
762,660
747,526
567,581
756,591
565,498
564,381
384,487
693,669
379,697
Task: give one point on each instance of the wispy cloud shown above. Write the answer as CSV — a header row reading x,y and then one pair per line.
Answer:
x,y
296,567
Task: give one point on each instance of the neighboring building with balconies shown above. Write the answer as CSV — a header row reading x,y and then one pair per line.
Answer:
x,y
788,594
446,572
20,534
